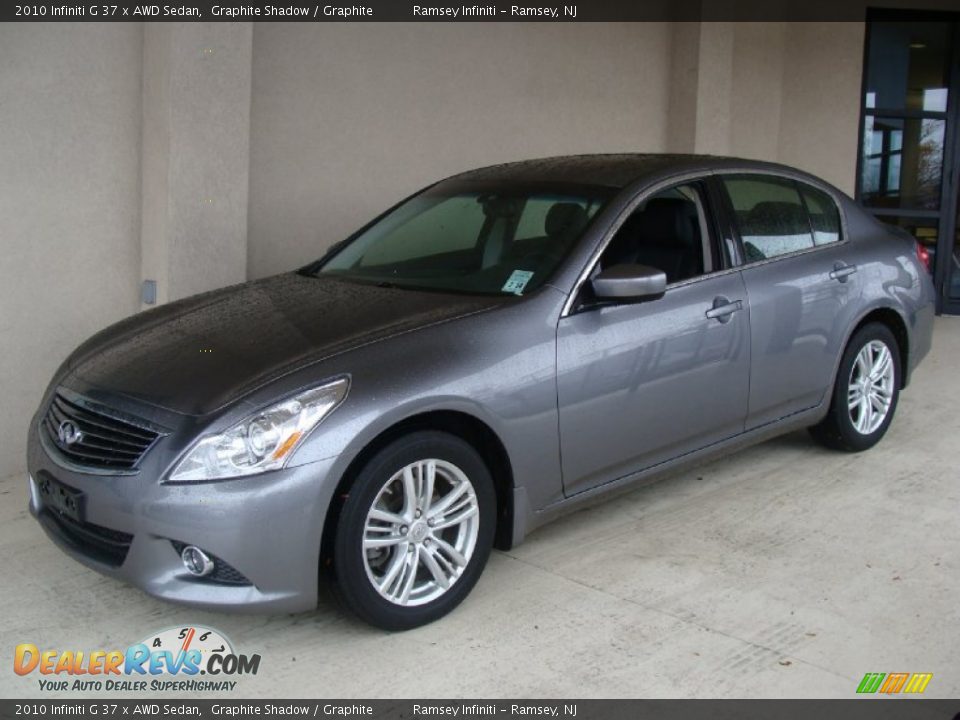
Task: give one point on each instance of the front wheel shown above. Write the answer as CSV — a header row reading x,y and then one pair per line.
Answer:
x,y
415,531
865,393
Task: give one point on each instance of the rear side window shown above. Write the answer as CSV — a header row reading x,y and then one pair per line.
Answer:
x,y
824,216
770,215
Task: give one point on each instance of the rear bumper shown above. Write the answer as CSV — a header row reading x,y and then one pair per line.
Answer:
x,y
266,528
921,335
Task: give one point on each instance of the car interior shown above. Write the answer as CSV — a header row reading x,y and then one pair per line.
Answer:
x,y
667,232
513,233
563,224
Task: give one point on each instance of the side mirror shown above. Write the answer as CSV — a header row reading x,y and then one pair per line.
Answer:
x,y
629,282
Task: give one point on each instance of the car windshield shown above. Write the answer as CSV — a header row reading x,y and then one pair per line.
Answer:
x,y
467,239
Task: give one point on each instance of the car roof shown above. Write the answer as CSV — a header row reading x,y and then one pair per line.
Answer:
x,y
612,170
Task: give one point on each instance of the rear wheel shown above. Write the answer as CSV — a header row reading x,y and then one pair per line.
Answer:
x,y
415,531
865,393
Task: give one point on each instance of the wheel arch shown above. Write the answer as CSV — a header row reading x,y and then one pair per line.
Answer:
x,y
894,321
467,427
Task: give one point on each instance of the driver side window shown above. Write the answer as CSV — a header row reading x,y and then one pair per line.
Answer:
x,y
669,232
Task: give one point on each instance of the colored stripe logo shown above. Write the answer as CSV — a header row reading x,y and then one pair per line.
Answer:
x,y
893,683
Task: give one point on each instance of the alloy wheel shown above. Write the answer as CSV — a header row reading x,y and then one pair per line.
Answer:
x,y
871,387
420,532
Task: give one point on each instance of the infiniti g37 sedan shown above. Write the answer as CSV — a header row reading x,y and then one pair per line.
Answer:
x,y
488,354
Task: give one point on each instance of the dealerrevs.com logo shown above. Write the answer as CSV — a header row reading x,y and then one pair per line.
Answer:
x,y
181,659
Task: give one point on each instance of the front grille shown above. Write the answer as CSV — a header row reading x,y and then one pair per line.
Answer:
x,y
99,439
223,572
99,543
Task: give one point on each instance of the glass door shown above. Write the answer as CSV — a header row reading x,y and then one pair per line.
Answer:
x,y
906,173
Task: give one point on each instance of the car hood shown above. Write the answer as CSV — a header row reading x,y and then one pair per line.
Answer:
x,y
196,355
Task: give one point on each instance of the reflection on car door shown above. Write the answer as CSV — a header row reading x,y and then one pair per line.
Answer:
x,y
802,286
641,383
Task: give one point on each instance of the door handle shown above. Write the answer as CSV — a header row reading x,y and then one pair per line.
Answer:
x,y
722,309
841,271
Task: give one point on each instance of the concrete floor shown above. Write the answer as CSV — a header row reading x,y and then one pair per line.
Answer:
x,y
783,571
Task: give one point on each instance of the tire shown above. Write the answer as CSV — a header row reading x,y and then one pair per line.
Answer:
x,y
396,585
846,427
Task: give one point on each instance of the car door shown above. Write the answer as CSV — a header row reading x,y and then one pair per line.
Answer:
x,y
639,383
802,286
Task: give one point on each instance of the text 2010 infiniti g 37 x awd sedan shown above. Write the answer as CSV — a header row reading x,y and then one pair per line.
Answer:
x,y
489,353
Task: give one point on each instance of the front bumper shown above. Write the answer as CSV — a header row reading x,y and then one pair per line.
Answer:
x,y
267,527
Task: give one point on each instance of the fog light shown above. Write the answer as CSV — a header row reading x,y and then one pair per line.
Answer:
x,y
196,561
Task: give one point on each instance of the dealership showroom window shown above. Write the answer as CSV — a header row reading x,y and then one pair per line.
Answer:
x,y
482,359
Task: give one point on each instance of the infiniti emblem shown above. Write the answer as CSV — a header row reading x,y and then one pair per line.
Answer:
x,y
69,433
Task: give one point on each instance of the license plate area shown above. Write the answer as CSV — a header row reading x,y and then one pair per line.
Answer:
x,y
61,499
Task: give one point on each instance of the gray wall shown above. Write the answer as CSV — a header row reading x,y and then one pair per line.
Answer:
x,y
820,115
348,119
69,201
195,159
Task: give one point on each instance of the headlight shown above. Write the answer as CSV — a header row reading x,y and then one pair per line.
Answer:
x,y
263,441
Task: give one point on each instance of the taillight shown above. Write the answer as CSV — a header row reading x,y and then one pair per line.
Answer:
x,y
923,255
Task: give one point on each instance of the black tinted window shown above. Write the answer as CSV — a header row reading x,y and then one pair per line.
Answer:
x,y
770,215
824,216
